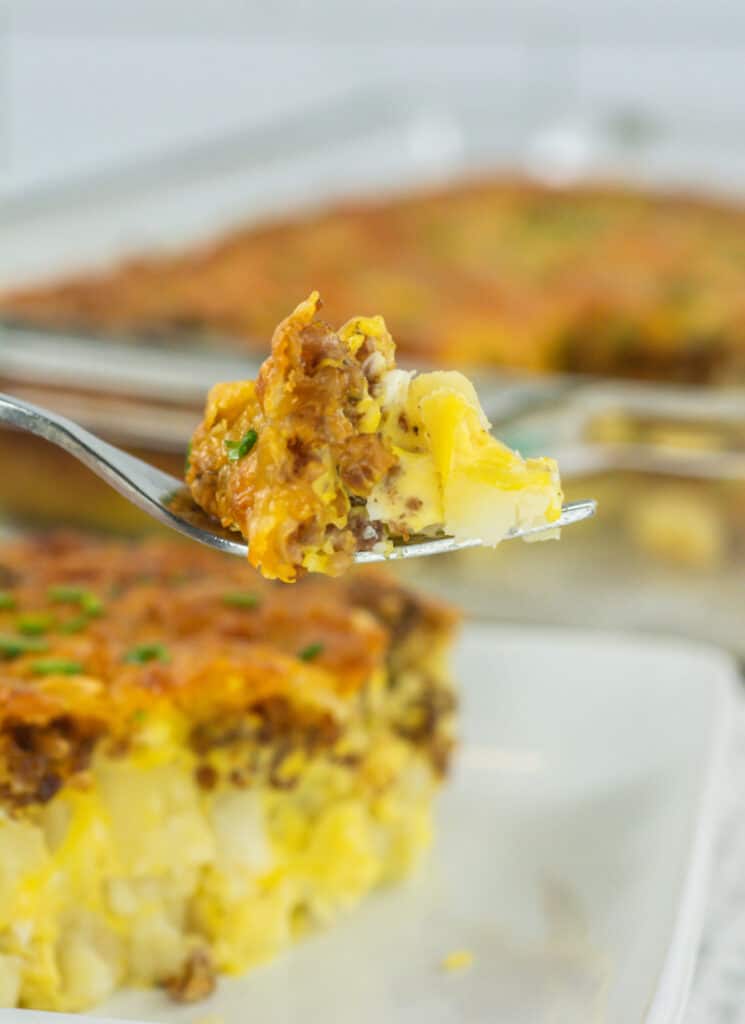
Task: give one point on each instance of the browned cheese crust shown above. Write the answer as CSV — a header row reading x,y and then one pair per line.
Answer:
x,y
499,272
308,460
94,634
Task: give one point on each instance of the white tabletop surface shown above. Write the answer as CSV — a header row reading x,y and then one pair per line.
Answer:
x,y
718,995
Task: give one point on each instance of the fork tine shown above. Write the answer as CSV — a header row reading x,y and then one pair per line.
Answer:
x,y
168,500
572,512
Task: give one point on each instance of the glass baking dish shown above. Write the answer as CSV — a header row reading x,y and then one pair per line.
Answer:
x,y
667,548
665,552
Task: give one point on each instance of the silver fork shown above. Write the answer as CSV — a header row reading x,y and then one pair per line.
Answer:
x,y
167,499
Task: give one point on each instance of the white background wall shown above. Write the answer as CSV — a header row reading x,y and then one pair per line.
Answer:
x,y
87,83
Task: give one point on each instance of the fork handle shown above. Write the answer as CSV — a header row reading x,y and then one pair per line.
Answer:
x,y
132,477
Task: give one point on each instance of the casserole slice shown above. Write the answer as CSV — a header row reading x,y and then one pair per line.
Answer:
x,y
334,450
196,766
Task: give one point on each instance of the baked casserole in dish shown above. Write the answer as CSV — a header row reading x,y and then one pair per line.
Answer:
x,y
198,766
503,272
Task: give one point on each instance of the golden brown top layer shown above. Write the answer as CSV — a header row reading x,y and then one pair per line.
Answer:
x,y
334,450
502,272
282,459
100,631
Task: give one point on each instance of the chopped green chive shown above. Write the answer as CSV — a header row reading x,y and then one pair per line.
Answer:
x,y
143,653
310,652
63,593
139,715
34,624
187,460
91,604
88,601
13,646
74,625
7,601
56,667
238,449
241,599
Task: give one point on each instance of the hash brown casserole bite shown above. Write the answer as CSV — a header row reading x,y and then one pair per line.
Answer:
x,y
334,450
501,272
198,766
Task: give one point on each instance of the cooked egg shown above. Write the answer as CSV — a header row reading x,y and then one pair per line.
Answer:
x,y
453,475
119,883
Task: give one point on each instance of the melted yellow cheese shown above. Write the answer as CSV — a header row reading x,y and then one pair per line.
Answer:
x,y
454,476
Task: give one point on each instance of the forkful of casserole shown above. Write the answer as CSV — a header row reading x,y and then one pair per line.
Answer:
x,y
333,456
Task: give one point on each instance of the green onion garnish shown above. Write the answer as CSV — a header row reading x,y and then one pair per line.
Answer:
x,y
63,593
241,599
7,601
238,449
91,603
74,625
310,652
187,460
13,646
143,653
88,601
34,624
56,667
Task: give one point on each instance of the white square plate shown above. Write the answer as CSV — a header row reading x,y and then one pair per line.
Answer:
x,y
570,859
